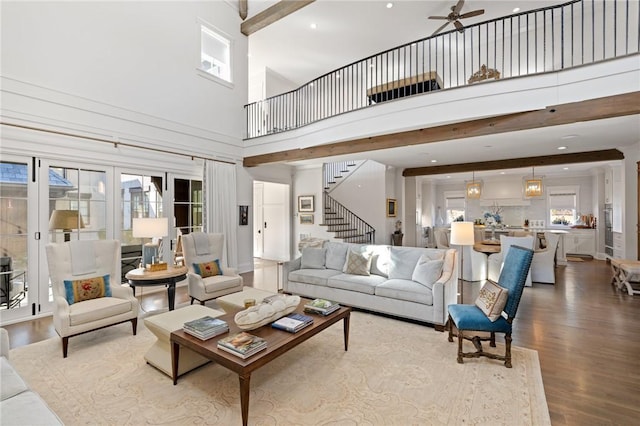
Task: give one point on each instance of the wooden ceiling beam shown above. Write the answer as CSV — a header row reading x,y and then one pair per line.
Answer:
x,y
588,110
516,163
243,8
271,15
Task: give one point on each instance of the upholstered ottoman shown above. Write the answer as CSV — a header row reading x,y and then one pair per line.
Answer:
x,y
630,272
161,325
236,300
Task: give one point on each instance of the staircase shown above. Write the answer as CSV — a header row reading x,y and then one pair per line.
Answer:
x,y
338,219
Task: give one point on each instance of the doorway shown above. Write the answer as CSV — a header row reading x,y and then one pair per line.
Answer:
x,y
271,225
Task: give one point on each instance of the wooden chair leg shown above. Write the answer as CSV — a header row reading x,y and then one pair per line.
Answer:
x,y
192,299
507,353
134,325
65,346
202,302
492,342
459,346
450,327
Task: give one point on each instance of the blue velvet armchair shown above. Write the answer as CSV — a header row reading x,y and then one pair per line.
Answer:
x,y
470,319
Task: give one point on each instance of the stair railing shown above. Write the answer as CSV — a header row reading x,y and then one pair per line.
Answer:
x,y
347,225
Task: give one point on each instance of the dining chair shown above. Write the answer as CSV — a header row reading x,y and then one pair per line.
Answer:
x,y
495,261
468,320
543,266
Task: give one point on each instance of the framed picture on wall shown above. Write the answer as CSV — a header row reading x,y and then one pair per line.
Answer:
x,y
391,207
244,215
305,203
306,219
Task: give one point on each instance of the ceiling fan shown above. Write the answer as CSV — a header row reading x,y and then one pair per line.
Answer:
x,y
455,15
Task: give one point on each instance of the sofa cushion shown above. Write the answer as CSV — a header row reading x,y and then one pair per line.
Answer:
x,y
12,383
220,282
97,309
357,263
313,258
358,283
427,271
86,289
313,276
28,408
336,255
408,290
491,300
403,261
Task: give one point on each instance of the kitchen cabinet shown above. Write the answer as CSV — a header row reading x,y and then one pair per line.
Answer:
x,y
618,245
608,186
580,241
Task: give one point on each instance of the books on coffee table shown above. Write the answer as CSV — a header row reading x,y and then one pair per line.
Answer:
x,y
206,327
292,322
242,344
321,306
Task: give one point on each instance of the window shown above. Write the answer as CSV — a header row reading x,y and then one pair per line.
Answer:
x,y
563,205
215,53
141,197
187,206
454,206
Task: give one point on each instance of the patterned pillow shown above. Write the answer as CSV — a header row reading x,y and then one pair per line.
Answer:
x,y
86,289
208,269
357,263
491,300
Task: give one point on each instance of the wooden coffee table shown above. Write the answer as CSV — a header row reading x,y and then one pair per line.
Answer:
x,y
278,343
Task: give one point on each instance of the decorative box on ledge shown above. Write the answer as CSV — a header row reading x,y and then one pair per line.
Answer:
x,y
154,267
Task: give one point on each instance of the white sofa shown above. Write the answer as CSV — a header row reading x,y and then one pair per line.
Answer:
x,y
20,405
395,285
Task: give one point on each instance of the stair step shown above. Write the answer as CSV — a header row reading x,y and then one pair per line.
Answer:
x,y
350,237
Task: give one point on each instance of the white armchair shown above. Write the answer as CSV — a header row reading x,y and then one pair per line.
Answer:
x,y
199,248
442,238
82,260
543,264
495,261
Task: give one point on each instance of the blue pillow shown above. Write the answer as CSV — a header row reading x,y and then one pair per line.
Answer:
x,y
87,289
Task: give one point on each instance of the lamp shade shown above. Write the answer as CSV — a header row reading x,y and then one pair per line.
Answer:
x,y
462,233
150,227
65,219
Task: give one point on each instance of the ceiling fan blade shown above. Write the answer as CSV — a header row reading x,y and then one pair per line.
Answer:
x,y
440,29
458,25
472,13
458,7
438,17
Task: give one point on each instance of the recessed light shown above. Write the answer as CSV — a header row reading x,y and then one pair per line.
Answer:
x,y
448,177
562,148
569,137
516,10
313,26
434,161
501,173
389,5
565,168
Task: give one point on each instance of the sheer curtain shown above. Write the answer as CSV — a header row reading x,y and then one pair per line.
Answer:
x,y
219,182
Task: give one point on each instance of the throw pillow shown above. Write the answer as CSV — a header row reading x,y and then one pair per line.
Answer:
x,y
357,263
491,300
313,258
208,269
427,271
86,289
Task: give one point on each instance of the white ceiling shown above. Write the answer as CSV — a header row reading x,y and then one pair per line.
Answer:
x,y
348,31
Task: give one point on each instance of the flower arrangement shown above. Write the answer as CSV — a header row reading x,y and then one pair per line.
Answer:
x,y
493,217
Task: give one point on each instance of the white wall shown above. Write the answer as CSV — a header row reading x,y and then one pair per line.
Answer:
x,y
308,181
122,72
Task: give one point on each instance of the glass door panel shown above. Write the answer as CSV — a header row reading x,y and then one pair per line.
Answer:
x,y
14,284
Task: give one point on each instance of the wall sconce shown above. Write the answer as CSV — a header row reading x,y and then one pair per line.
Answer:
x,y
533,186
154,228
474,188
67,220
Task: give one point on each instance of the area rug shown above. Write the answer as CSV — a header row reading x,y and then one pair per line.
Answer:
x,y
394,373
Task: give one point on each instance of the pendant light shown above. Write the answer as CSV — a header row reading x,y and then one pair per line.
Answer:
x,y
474,188
533,186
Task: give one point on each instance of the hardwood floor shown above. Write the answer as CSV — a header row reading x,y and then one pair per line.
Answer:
x,y
587,335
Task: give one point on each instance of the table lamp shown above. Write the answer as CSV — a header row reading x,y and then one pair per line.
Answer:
x,y
462,234
154,228
67,220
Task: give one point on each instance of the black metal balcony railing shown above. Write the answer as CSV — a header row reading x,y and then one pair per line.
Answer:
x,y
549,39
